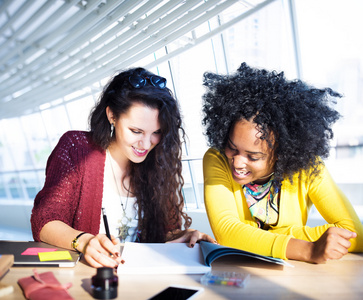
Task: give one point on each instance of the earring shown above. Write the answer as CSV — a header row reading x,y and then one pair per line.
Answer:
x,y
112,130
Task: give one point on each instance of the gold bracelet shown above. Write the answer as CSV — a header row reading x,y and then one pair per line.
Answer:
x,y
75,243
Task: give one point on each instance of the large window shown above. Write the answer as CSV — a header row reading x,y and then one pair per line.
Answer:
x,y
320,42
332,55
262,39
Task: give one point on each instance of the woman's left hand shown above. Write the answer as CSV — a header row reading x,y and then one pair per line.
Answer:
x,y
190,236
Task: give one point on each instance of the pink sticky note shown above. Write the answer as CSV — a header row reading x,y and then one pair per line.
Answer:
x,y
35,251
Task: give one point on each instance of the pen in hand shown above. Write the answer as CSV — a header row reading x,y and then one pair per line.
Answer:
x,y
108,229
106,223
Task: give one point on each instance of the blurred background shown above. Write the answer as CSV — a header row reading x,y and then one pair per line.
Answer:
x,y
56,55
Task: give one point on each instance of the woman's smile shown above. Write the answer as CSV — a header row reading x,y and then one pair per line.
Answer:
x,y
139,152
241,174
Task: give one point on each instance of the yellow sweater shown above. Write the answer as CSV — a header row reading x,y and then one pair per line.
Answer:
x,y
233,226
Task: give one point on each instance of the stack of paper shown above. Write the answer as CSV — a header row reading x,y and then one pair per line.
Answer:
x,y
178,258
169,258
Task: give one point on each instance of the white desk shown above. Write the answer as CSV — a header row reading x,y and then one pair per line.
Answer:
x,y
341,279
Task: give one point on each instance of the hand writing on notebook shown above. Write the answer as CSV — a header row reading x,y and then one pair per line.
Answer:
x,y
190,236
100,251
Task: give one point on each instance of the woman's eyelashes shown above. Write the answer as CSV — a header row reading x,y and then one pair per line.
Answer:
x,y
235,150
231,148
135,131
158,132
253,158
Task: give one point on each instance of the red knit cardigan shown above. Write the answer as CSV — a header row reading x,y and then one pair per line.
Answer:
x,y
73,187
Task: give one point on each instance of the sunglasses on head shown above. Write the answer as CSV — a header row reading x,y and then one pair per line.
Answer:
x,y
138,81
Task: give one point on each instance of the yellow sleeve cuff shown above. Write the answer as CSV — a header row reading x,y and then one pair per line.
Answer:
x,y
280,245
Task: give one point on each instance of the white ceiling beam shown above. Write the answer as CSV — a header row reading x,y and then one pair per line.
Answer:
x,y
4,5
90,48
158,31
49,75
78,60
117,42
173,35
40,91
209,35
40,86
27,74
89,73
35,34
16,16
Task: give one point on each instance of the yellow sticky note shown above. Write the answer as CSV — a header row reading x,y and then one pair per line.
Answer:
x,y
55,255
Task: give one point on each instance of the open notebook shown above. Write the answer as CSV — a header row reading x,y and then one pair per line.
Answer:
x,y
178,258
38,254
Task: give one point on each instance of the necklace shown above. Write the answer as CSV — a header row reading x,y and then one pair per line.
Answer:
x,y
123,229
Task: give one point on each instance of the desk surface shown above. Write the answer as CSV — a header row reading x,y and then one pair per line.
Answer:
x,y
341,279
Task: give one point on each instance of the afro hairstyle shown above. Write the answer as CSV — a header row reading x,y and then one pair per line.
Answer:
x,y
295,119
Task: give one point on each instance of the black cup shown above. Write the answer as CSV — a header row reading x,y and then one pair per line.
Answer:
x,y
105,283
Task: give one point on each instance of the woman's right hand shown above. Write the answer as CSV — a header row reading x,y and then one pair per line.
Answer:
x,y
333,244
100,251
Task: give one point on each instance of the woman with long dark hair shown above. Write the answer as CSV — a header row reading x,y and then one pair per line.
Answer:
x,y
128,165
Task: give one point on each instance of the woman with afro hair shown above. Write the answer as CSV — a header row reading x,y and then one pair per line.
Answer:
x,y
265,169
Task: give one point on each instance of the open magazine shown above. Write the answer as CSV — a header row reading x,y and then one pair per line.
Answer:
x,y
178,258
211,252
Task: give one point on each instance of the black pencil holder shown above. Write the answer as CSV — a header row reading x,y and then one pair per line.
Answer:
x,y
104,284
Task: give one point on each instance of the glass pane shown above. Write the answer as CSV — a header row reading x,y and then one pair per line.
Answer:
x,y
79,111
31,184
263,39
188,192
3,188
6,160
193,183
56,123
332,56
188,77
37,140
13,186
16,154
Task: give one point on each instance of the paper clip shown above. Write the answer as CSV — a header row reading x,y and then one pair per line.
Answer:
x,y
235,279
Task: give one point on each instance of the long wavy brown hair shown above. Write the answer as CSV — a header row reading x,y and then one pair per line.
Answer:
x,y
156,182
